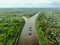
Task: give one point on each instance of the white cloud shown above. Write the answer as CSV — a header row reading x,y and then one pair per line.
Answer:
x,y
56,1
36,1
17,3
23,1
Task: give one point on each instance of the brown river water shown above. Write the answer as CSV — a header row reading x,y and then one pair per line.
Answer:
x,y
29,36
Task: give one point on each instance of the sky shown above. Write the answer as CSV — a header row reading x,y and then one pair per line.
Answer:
x,y
29,3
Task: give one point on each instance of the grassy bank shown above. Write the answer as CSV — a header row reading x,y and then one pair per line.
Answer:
x,y
48,29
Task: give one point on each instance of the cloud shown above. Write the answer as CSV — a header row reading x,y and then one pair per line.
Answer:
x,y
3,2
56,1
29,3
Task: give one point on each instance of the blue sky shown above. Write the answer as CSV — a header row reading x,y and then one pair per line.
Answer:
x,y
29,3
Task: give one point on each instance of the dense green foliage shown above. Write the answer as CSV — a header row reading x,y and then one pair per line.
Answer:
x,y
18,12
11,24
10,28
30,14
48,28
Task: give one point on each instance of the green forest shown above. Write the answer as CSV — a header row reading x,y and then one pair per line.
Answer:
x,y
47,25
48,28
